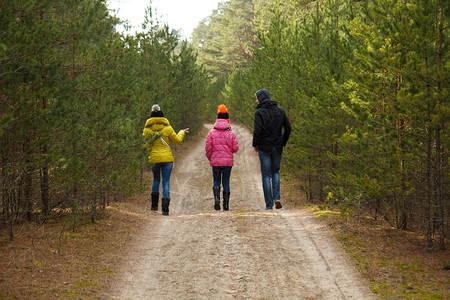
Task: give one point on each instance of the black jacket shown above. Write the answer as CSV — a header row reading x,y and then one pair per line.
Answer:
x,y
269,121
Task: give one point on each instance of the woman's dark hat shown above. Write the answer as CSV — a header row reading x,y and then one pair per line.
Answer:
x,y
156,111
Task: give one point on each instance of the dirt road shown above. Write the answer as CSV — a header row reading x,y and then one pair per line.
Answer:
x,y
245,253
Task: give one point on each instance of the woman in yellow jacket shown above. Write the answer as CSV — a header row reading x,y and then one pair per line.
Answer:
x,y
161,155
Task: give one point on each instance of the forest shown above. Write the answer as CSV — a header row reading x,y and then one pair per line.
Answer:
x,y
364,84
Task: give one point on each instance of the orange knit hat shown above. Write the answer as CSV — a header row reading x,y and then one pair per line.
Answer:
x,y
222,109
222,112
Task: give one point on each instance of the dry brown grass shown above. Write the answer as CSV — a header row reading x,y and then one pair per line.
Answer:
x,y
51,261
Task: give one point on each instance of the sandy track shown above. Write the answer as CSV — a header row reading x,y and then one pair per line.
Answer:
x,y
245,253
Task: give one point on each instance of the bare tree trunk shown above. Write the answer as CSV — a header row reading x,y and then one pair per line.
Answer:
x,y
307,186
440,157
4,190
428,182
10,211
439,204
94,208
8,196
28,178
45,195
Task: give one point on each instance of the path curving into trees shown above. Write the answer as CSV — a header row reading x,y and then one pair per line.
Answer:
x,y
246,253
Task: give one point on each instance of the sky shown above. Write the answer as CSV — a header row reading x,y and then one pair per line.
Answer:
x,y
181,15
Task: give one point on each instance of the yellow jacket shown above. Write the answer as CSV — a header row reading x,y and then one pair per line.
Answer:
x,y
160,151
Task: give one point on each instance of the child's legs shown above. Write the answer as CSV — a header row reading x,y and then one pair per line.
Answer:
x,y
216,176
226,172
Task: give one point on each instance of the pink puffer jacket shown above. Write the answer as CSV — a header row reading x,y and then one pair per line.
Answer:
x,y
221,143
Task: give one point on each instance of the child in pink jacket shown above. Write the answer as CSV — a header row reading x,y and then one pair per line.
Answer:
x,y
221,143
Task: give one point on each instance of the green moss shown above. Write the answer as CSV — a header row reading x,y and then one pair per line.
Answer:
x,y
383,289
82,283
38,264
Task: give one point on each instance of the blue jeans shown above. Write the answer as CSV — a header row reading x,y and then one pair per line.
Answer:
x,y
222,174
165,169
270,171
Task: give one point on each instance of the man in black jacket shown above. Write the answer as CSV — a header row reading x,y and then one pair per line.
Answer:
x,y
269,140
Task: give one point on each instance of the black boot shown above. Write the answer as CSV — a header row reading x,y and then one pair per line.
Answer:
x,y
226,199
155,199
165,201
216,191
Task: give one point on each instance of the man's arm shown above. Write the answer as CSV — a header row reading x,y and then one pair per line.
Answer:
x,y
287,129
257,128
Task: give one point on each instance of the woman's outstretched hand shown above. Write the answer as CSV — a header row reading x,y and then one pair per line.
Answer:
x,y
186,130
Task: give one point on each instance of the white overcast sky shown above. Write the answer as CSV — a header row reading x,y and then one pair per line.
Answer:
x,y
182,15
